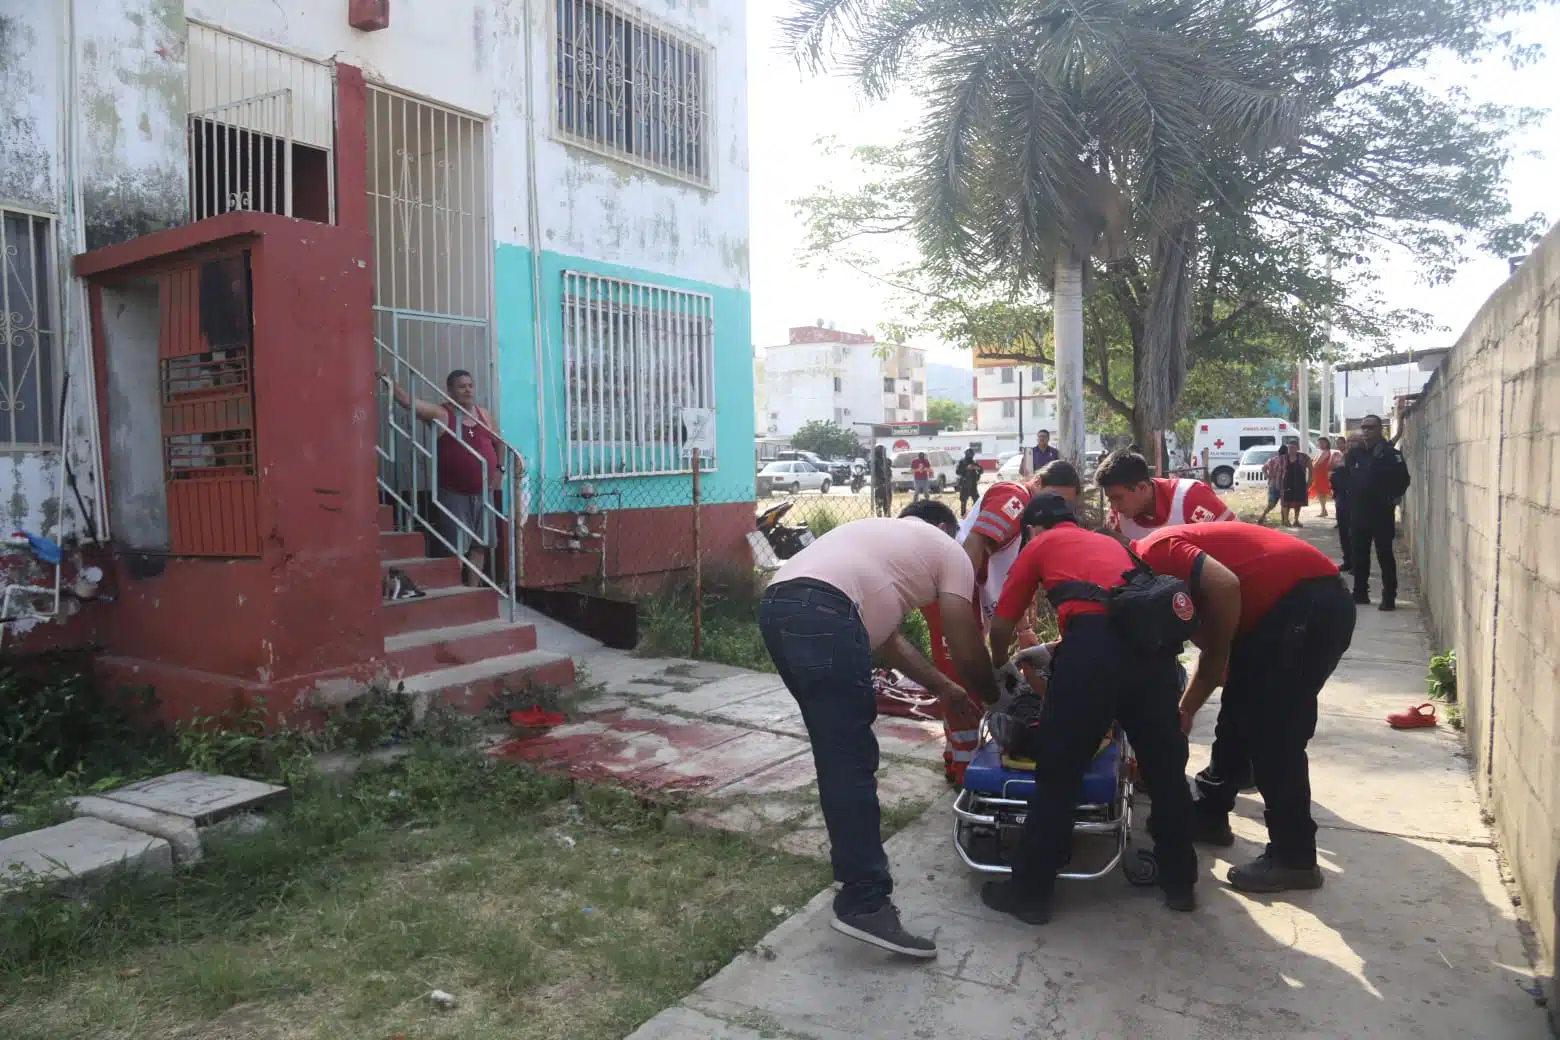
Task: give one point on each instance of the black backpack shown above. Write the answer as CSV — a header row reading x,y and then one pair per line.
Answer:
x,y
1154,611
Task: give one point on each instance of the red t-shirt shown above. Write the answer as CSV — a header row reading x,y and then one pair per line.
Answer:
x,y
1064,553
459,470
920,468
1200,505
1267,563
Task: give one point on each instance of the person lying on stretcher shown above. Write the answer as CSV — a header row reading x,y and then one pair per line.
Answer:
x,y
1022,682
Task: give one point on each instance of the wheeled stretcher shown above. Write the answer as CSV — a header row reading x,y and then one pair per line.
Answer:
x,y
989,811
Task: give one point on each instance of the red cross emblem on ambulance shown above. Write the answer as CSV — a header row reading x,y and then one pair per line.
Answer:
x,y
1219,443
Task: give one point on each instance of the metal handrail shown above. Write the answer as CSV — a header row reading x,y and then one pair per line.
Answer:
x,y
512,464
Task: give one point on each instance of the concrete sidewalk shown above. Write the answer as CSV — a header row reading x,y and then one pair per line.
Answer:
x,y
1414,934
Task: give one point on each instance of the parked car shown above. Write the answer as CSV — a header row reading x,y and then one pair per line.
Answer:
x,y
1248,472
942,470
794,477
1011,468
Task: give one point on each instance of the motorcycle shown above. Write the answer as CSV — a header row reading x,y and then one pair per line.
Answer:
x,y
858,480
786,539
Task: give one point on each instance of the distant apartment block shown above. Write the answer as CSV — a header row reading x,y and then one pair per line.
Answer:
x,y
845,377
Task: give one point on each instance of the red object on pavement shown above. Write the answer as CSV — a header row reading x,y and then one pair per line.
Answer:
x,y
1414,718
536,718
902,700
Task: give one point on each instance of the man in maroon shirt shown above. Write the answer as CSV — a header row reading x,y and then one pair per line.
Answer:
x,y
1276,619
1097,676
468,469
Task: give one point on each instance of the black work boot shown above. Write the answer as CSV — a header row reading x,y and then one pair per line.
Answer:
x,y
1265,874
1006,897
1211,830
1362,598
882,929
1181,898
1388,601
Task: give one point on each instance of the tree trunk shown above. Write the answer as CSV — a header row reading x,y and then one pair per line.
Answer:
x,y
1067,330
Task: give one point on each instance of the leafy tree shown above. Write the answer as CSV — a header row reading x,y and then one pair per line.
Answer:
x,y
827,439
951,414
1143,140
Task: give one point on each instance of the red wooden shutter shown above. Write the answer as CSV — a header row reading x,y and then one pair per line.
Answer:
x,y
205,361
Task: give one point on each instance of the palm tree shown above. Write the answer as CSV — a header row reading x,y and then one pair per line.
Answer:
x,y
1059,132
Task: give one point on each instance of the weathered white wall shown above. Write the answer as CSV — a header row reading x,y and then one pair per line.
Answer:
x,y
1483,523
34,85
472,58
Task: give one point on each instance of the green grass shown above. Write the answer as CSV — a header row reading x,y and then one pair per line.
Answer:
x,y
730,620
444,871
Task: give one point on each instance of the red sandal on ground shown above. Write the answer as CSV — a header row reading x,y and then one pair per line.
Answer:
x,y
1414,718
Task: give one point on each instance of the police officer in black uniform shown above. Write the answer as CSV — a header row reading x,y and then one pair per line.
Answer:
x,y
1098,675
1338,478
1378,479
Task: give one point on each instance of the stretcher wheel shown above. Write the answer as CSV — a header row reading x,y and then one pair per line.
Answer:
x,y
1141,868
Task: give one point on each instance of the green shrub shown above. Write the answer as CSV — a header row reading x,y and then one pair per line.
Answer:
x,y
822,521
58,728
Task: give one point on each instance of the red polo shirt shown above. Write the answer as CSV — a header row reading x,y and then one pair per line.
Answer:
x,y
1064,553
1267,563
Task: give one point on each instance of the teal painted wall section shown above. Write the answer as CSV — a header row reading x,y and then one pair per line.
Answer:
x,y
732,481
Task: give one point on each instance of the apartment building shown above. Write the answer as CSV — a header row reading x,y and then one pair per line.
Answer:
x,y
549,194
1013,399
850,378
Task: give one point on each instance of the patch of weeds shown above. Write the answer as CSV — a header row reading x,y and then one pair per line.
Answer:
x,y
241,742
381,716
730,619
533,695
60,733
822,520
1441,682
896,818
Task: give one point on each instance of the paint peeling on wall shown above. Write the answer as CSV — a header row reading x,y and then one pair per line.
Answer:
x,y
133,99
26,156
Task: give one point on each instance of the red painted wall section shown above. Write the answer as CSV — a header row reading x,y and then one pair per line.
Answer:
x,y
205,630
351,148
643,545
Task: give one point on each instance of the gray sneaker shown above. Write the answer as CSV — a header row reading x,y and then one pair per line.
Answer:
x,y
882,929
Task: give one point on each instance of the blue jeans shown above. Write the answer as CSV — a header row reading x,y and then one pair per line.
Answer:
x,y
815,636
923,489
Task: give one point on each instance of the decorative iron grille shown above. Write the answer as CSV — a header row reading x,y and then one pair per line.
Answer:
x,y
27,331
633,90
635,355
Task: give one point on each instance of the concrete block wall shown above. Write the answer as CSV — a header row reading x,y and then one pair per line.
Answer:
x,y
1483,524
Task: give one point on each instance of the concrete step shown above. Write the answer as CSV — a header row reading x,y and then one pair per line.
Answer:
x,y
429,572
401,545
80,855
434,648
467,688
441,608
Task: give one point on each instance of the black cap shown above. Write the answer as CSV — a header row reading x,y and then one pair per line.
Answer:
x,y
1046,510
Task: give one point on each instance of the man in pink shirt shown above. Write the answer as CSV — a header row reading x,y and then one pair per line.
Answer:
x,y
830,610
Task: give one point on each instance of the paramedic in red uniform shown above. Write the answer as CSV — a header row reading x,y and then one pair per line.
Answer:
x,y
1141,502
1276,610
990,537
1098,675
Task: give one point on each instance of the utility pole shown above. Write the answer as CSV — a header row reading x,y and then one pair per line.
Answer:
x,y
1020,407
1327,370
1303,412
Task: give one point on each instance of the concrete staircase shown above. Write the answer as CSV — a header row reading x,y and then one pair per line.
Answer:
x,y
454,644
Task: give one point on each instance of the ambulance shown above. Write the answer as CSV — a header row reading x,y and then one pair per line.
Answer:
x,y
1225,439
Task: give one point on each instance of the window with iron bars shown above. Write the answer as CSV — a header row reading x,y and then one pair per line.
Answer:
x,y
635,355
29,344
633,90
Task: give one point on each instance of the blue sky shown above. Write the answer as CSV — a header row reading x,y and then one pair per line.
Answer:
x,y
790,110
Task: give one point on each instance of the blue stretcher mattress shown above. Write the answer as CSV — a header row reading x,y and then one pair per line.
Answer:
x,y
986,775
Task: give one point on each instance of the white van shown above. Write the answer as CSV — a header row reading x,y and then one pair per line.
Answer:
x,y
1226,439
942,470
